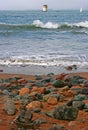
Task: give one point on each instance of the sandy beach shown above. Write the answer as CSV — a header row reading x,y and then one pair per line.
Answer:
x,y
38,86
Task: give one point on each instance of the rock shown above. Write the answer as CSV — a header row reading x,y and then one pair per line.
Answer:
x,y
35,89
9,106
68,93
76,80
24,119
34,105
65,113
60,76
39,121
86,104
85,83
56,127
58,84
50,74
56,95
24,91
46,97
69,68
78,104
81,97
2,87
42,90
5,84
38,77
0,91
22,80
50,90
40,83
65,88
84,91
39,96
6,92
52,101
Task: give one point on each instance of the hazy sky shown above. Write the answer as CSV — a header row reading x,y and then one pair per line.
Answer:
x,y
37,4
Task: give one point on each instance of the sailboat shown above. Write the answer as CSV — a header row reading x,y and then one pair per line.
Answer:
x,y
81,10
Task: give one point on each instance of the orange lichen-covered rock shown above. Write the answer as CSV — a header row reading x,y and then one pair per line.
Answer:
x,y
69,93
22,80
0,91
34,104
35,89
24,91
85,101
52,100
42,90
61,76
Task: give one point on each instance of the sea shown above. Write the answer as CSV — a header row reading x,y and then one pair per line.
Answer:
x,y
52,38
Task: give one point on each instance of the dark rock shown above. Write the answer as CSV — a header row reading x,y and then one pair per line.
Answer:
x,y
24,119
69,103
39,96
86,106
76,80
50,74
78,104
69,68
65,113
49,113
84,91
56,127
81,97
2,87
47,80
38,77
85,83
38,122
58,83
40,84
51,89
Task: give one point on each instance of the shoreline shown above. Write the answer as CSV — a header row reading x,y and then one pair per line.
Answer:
x,y
39,70
5,75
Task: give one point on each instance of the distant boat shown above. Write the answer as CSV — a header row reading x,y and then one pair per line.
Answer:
x,y
44,8
81,10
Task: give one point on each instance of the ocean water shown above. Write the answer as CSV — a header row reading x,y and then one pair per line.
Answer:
x,y
52,38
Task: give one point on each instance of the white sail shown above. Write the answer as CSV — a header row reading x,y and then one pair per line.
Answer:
x,y
81,10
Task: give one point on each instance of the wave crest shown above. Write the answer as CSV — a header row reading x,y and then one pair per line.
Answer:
x,y
49,25
39,24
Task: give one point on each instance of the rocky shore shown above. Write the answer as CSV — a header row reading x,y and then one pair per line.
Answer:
x,y
44,102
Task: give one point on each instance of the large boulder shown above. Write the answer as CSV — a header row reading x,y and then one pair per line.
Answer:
x,y
65,113
9,106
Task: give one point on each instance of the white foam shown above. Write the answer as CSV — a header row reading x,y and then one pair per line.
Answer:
x,y
49,25
81,24
59,61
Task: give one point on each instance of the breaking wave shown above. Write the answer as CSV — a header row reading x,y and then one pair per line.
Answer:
x,y
40,24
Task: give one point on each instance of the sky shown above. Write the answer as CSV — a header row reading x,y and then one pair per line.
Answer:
x,y
37,4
